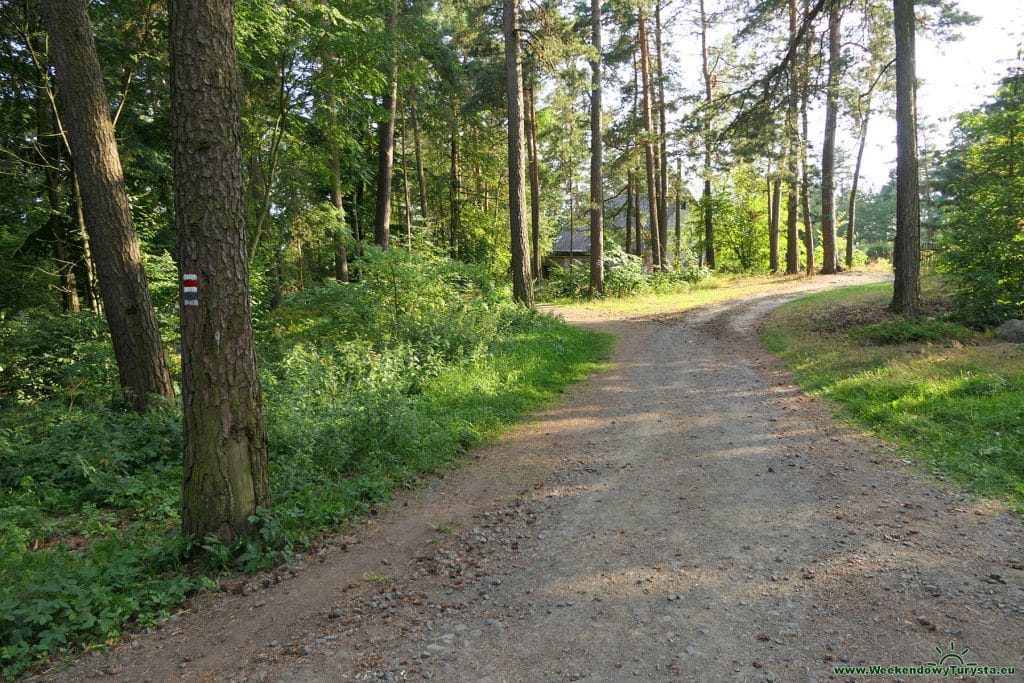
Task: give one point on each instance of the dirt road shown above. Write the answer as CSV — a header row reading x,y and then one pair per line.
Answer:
x,y
686,515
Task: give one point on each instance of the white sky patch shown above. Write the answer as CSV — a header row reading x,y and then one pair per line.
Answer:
x,y
955,77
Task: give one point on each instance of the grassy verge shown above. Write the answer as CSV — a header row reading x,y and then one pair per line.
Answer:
x,y
367,387
952,398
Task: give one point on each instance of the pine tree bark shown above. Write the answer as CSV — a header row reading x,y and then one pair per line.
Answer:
x,y
637,225
629,212
829,258
906,297
406,191
851,215
455,197
805,141
141,361
522,284
652,179
537,266
48,142
596,158
792,158
225,438
773,227
421,177
662,142
679,211
386,144
709,224
337,199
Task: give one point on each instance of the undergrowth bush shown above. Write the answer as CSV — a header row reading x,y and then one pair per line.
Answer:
x,y
624,276
367,386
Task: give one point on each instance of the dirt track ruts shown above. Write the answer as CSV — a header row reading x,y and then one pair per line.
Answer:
x,y
686,515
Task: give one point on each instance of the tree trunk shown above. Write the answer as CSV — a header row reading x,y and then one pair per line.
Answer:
x,y
652,180
805,180
141,361
596,157
225,438
679,211
792,159
637,224
663,130
773,227
455,225
522,284
629,212
830,256
407,193
851,215
906,297
340,253
537,268
53,185
386,143
420,175
92,285
709,225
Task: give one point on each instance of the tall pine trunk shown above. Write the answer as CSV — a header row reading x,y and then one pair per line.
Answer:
x,y
141,361
53,185
455,223
536,266
829,258
386,143
663,142
805,141
522,284
596,158
340,252
629,212
225,438
421,177
851,215
406,191
906,296
792,158
773,227
709,225
652,178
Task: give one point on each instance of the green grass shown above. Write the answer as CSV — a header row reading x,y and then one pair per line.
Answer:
x,y
951,397
368,387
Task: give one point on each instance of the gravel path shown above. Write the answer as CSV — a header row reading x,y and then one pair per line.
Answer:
x,y
687,515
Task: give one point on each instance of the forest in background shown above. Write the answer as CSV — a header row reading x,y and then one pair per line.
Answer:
x,y
401,171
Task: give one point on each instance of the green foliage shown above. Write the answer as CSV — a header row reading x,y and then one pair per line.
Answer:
x,y
55,356
903,331
624,276
982,238
367,386
928,386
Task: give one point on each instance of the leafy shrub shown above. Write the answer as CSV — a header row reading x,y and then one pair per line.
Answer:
x,y
624,276
64,356
878,250
982,236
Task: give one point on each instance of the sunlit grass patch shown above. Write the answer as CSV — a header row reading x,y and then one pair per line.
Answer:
x,y
950,396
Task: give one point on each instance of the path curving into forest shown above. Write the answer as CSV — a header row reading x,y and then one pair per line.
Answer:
x,y
686,515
